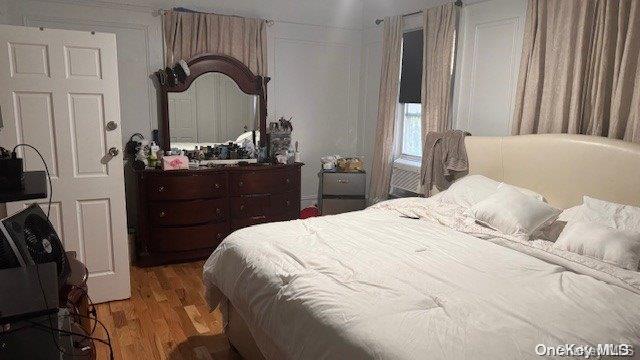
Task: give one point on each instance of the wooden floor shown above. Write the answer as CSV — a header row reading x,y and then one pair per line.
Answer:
x,y
166,318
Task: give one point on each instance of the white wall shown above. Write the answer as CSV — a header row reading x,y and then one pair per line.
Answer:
x,y
376,9
489,52
316,80
314,59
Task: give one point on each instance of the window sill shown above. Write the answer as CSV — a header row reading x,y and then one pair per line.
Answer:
x,y
407,164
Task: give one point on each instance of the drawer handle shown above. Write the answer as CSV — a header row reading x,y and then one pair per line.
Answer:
x,y
161,189
218,211
287,180
241,183
216,186
343,181
287,203
242,207
162,214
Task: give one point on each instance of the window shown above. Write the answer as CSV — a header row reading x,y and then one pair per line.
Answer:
x,y
409,97
411,131
411,72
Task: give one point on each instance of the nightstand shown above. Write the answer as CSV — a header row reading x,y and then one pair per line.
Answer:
x,y
341,192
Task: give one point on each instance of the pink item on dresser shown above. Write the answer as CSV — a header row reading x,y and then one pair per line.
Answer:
x,y
175,162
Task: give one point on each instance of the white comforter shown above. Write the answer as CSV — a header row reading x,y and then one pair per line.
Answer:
x,y
375,285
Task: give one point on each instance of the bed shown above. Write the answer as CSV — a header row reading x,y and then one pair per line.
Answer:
x,y
379,284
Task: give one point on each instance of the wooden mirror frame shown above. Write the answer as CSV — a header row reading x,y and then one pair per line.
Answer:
x,y
245,79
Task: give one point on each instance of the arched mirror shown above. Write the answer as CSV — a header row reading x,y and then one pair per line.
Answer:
x,y
221,101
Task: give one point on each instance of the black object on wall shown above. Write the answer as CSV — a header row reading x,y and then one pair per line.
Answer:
x,y
411,73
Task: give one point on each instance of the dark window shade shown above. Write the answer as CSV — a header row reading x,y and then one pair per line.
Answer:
x,y
411,73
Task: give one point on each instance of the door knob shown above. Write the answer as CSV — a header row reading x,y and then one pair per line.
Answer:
x,y
112,125
114,152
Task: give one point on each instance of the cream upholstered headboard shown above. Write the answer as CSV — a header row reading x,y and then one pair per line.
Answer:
x,y
561,167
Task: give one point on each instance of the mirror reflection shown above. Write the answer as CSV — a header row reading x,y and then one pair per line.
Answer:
x,y
212,111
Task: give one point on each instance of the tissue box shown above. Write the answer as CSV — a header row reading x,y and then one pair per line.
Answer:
x,y
175,162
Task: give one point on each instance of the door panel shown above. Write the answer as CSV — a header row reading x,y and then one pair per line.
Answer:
x,y
94,223
83,62
58,90
31,60
35,124
88,141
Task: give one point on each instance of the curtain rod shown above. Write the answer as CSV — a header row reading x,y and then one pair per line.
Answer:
x,y
380,21
161,12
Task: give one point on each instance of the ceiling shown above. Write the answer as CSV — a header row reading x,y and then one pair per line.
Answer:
x,y
350,14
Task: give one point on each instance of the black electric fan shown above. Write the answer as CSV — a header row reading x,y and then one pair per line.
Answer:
x,y
29,238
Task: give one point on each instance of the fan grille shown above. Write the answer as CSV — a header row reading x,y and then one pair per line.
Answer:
x,y
43,243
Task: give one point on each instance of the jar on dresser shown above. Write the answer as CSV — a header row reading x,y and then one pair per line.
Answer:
x,y
183,215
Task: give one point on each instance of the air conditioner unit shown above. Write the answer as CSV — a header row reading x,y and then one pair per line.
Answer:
x,y
405,177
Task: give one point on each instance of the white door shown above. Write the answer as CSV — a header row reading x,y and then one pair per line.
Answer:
x,y
58,92
489,49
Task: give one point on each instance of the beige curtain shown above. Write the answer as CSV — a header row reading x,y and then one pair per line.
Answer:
x,y
580,70
439,31
387,103
187,34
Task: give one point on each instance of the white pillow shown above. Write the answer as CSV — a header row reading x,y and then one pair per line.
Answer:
x,y
570,214
472,189
620,248
524,191
615,216
513,213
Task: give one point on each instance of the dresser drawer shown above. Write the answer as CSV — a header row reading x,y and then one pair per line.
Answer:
x,y
349,184
186,187
261,182
249,206
188,238
188,212
288,202
339,206
242,223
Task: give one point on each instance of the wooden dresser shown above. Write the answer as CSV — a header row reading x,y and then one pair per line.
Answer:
x,y
183,215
